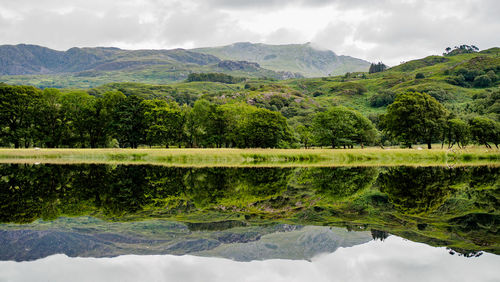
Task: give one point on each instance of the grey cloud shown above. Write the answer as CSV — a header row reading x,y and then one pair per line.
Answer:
x,y
388,30
200,28
77,28
265,4
282,36
410,30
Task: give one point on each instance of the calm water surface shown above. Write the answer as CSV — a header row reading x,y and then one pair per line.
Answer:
x,y
153,223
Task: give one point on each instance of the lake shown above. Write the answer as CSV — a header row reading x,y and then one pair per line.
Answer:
x,y
90,222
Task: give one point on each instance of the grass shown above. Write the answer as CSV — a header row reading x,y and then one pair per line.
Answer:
x,y
257,157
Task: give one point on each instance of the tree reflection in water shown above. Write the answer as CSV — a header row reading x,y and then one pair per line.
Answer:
x,y
420,203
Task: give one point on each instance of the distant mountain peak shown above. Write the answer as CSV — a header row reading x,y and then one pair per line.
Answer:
x,y
307,59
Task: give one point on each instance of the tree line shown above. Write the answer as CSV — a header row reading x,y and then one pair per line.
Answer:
x,y
30,117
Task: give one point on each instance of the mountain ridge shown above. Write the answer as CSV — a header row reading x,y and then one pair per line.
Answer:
x,y
302,58
28,59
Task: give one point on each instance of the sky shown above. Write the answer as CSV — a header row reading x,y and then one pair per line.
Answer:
x,y
395,259
391,31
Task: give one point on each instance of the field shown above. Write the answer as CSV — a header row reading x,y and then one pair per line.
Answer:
x,y
257,157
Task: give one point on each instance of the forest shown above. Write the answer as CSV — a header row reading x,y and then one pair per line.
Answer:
x,y
49,118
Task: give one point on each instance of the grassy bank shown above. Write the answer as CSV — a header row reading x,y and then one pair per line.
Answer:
x,y
256,157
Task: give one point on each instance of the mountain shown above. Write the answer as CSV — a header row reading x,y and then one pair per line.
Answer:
x,y
31,59
301,58
91,67
91,237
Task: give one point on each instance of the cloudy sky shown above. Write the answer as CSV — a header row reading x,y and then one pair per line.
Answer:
x,y
387,30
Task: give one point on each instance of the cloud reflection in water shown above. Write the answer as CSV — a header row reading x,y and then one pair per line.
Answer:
x,y
395,259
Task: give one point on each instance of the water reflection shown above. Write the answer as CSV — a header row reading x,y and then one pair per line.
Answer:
x,y
393,260
452,207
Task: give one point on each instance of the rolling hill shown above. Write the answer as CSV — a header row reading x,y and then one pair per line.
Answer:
x,y
367,93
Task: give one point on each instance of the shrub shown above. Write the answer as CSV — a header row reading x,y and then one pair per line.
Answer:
x,y
214,77
419,75
383,98
482,81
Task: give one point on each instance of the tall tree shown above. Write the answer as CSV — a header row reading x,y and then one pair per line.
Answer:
x,y
165,122
78,110
49,126
456,131
414,117
17,114
129,124
340,126
484,131
266,129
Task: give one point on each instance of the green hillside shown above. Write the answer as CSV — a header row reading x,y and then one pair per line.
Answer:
x,y
301,58
368,93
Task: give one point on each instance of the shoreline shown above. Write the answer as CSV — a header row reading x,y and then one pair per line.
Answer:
x,y
227,157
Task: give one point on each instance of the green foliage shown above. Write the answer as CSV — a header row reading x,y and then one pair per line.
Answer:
x,y
456,131
480,71
17,104
485,131
63,118
349,88
419,76
214,77
129,122
382,98
338,183
465,77
339,126
304,135
250,127
265,129
482,81
164,121
487,103
414,117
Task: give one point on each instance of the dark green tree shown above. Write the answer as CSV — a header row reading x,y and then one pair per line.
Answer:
x,y
49,123
340,126
414,117
266,129
304,135
165,122
484,131
482,81
17,108
457,132
378,67
129,123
